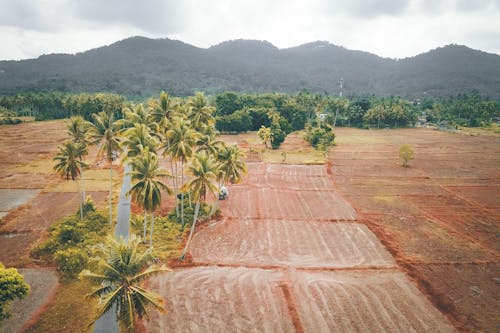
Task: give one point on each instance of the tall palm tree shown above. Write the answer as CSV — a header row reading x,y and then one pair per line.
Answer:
x,y
182,141
163,110
137,139
231,164
77,128
70,164
200,113
121,269
104,132
146,190
209,141
203,171
138,115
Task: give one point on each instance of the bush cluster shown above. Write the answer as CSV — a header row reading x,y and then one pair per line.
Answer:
x,y
70,241
320,137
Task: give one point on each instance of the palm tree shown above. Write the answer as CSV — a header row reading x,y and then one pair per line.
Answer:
x,y
163,110
70,164
231,165
121,269
104,131
203,171
78,130
137,139
182,140
200,113
138,115
146,187
209,141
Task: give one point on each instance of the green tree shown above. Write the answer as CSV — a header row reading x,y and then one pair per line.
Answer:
x,y
277,135
203,172
146,189
104,132
69,163
121,267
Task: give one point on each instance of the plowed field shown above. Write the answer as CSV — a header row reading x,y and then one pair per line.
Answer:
x,y
288,255
289,243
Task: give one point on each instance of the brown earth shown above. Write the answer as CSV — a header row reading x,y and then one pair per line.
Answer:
x,y
288,240
440,217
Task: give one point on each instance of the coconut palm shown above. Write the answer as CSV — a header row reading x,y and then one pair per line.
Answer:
x,y
104,132
201,114
138,115
203,171
70,164
121,269
209,141
182,141
137,139
77,128
163,110
231,164
146,190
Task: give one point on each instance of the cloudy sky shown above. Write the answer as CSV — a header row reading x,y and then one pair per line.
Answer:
x,y
389,28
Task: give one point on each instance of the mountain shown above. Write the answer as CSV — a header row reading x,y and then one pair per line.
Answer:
x,y
139,67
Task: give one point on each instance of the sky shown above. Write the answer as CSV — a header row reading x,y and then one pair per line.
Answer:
x,y
388,28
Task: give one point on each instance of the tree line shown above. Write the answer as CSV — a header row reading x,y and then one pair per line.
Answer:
x,y
240,112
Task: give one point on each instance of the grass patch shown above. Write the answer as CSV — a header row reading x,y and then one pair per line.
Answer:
x,y
167,238
492,129
300,156
96,180
70,311
44,166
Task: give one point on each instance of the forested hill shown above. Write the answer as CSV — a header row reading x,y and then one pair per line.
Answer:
x,y
141,66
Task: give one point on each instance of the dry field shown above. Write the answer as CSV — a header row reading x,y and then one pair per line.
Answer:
x,y
359,244
440,218
306,238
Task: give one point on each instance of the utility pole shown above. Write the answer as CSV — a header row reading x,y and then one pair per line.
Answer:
x,y
341,82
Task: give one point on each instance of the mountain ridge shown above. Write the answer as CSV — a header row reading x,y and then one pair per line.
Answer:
x,y
141,66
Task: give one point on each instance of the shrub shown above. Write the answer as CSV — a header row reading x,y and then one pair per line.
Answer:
x,y
406,154
71,262
10,121
321,136
12,286
70,239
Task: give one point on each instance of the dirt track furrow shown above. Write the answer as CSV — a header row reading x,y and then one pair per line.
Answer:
x,y
289,243
213,299
348,303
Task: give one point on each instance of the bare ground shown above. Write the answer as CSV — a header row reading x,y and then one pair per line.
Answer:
x,y
290,241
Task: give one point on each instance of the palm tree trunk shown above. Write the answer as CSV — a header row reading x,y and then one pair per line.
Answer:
x,y
152,230
110,195
176,188
84,195
78,194
195,218
144,224
182,195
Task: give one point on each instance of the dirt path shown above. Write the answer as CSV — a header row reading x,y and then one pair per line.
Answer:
x,y
289,256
